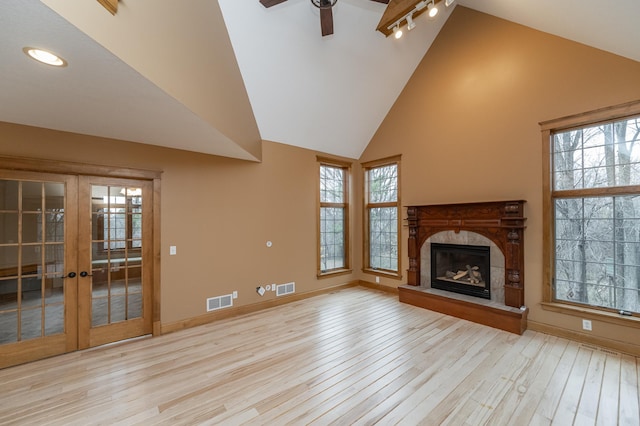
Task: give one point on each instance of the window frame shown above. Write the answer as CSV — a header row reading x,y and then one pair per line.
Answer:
x,y
367,206
346,167
548,130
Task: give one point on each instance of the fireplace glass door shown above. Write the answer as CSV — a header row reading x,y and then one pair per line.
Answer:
x,y
463,269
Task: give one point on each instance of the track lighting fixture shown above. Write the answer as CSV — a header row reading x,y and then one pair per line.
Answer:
x,y
432,9
410,24
397,32
448,3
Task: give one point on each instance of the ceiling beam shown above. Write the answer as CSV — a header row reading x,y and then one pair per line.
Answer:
x,y
110,5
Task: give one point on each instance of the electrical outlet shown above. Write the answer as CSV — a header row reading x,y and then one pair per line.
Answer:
x,y
586,325
377,280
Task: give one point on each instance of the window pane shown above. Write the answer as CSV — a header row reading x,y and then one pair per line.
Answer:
x,y
31,196
383,184
332,238
331,184
9,226
54,196
600,156
9,195
383,238
598,251
31,227
8,261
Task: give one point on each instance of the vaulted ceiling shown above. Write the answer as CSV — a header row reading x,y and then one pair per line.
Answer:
x,y
218,77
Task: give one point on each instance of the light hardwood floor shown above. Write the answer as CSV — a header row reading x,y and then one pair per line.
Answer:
x,y
356,356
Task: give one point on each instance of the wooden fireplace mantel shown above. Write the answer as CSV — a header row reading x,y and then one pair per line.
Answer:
x,y
503,222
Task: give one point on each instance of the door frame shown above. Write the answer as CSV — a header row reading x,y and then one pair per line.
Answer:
x,y
83,169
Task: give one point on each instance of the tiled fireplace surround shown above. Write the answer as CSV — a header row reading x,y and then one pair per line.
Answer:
x,y
499,225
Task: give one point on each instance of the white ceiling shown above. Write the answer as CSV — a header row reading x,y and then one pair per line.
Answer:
x,y
328,94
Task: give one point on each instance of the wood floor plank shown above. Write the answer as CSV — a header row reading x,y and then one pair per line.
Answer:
x,y
609,392
532,386
354,356
568,404
590,397
550,399
629,392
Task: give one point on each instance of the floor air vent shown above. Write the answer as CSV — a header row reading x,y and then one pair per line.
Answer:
x,y
284,289
214,303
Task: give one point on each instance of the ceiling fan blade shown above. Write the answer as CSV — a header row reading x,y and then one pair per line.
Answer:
x,y
269,3
326,21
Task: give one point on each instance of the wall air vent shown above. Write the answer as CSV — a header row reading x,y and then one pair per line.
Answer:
x,y
284,289
215,303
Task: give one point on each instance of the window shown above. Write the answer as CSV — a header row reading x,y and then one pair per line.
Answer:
x,y
333,224
594,210
382,224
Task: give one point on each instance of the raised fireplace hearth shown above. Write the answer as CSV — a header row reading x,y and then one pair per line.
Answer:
x,y
464,280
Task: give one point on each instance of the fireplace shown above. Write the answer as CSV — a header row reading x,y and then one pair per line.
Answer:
x,y
463,269
497,224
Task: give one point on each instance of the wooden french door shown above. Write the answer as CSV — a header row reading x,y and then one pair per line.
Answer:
x,y
114,260
75,263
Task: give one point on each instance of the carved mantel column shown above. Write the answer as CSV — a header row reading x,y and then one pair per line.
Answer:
x,y
500,221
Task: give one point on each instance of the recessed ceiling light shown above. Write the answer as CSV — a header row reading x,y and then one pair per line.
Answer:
x,y
44,56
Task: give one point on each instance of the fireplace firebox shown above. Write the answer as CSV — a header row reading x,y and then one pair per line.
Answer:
x,y
463,269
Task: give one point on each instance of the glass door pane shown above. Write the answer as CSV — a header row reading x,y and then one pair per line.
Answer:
x,y
32,254
116,254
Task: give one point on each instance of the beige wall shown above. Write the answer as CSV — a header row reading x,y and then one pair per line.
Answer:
x,y
467,127
218,212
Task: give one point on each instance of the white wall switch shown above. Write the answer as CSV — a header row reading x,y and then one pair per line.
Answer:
x,y
172,250
235,294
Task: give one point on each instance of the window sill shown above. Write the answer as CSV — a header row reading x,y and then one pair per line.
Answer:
x,y
333,273
593,314
381,273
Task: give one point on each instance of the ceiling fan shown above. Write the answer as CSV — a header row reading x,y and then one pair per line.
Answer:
x,y
326,15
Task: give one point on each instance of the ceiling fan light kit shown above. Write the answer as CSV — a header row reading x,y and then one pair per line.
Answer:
x,y
396,12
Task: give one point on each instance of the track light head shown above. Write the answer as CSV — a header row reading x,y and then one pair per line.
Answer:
x,y
432,9
397,32
448,3
410,23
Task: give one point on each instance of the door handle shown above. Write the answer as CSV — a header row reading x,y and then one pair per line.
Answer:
x,y
85,274
70,275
